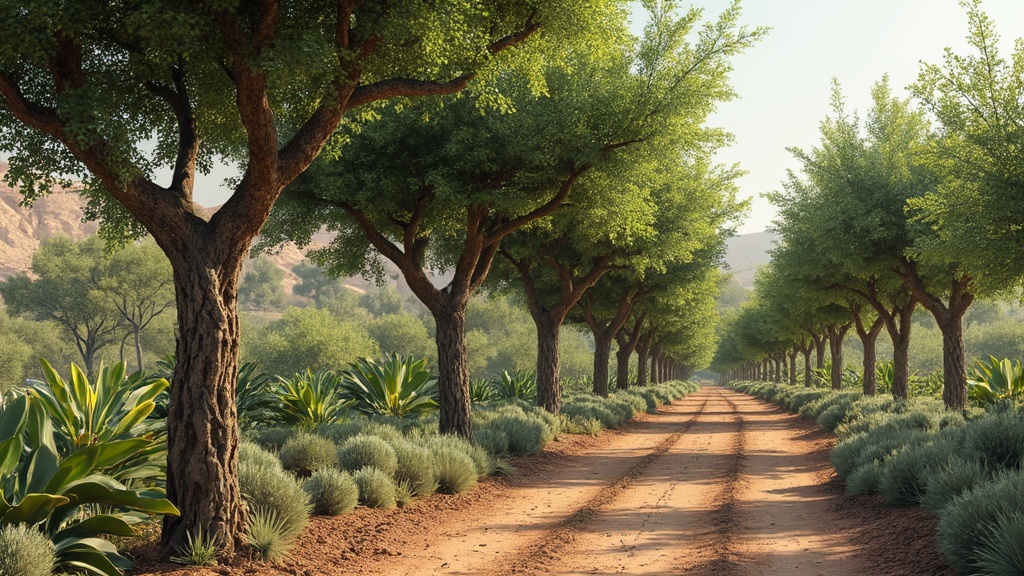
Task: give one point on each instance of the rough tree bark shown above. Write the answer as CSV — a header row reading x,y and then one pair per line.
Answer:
x,y
868,337
836,335
896,317
643,358
949,318
793,352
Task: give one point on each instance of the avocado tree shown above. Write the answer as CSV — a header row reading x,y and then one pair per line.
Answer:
x,y
109,94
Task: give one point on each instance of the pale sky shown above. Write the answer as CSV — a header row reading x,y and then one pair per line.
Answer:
x,y
784,82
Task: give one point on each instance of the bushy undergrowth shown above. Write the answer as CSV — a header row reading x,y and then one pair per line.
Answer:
x,y
306,453
415,468
967,467
376,487
269,536
331,492
25,551
361,451
266,486
454,469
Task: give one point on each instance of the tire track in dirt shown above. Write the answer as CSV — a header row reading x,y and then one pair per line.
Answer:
x,y
550,548
677,518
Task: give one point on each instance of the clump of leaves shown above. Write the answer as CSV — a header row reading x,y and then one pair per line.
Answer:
x,y
25,551
397,386
361,451
376,488
198,550
332,492
306,453
269,536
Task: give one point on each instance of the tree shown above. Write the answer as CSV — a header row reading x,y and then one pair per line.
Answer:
x,y
865,175
83,88
261,286
139,284
315,283
309,338
458,182
69,274
975,212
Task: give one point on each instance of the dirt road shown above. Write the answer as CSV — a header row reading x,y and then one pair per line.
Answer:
x,y
717,484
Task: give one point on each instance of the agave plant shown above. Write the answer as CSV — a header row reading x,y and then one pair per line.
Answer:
x,y
996,380
480,390
309,399
397,386
115,407
254,397
61,497
519,384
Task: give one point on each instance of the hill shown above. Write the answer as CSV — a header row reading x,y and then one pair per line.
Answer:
x,y
744,253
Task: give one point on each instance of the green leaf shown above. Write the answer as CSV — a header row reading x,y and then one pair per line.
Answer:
x,y
33,508
10,455
94,525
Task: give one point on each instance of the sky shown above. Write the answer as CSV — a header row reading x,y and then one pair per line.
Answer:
x,y
784,82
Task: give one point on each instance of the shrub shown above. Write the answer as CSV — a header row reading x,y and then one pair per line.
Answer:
x,y
25,551
275,491
997,440
339,432
1002,553
268,536
306,453
376,489
331,492
382,430
273,438
482,462
454,469
878,444
493,440
251,453
415,469
959,522
361,451
526,434
865,479
582,425
905,476
952,479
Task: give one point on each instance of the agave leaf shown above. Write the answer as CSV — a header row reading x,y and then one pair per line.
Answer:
x,y
110,524
10,455
33,508
14,417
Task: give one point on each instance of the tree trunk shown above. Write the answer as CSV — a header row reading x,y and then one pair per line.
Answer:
x,y
807,367
868,337
549,381
202,421
870,379
954,370
602,355
792,366
901,367
642,362
836,335
138,347
819,350
622,356
779,360
949,316
452,372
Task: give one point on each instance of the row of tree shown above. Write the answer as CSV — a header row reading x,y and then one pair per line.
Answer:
x,y
577,152
911,206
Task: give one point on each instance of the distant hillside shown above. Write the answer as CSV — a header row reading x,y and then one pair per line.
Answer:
x,y
22,230
744,253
